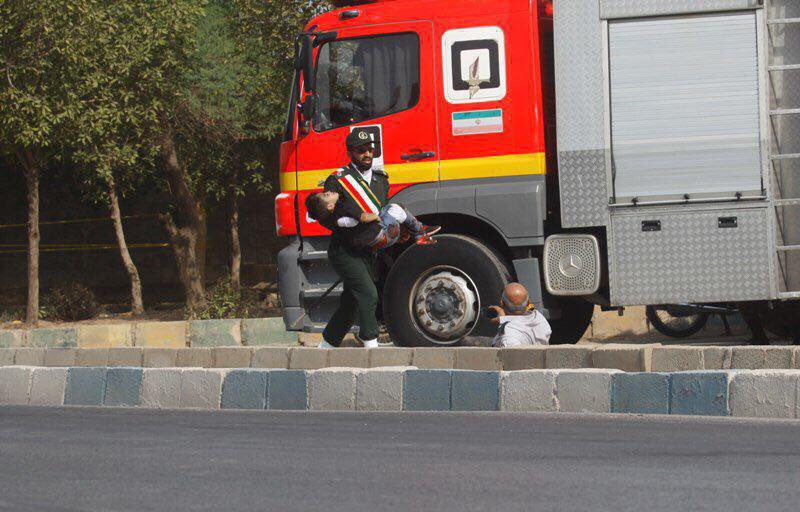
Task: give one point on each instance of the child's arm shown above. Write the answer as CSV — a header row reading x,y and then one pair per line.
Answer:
x,y
369,217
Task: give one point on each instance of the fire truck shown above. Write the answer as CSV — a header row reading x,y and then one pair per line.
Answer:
x,y
601,152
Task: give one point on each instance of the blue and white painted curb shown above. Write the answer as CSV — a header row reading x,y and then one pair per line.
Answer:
x,y
741,393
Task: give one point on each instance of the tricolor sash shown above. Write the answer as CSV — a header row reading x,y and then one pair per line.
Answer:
x,y
361,193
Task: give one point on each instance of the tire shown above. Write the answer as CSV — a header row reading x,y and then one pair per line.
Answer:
x,y
694,325
471,269
576,316
782,319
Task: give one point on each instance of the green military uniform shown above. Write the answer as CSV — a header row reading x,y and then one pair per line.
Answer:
x,y
359,300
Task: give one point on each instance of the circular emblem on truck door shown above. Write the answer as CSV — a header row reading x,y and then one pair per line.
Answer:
x,y
570,265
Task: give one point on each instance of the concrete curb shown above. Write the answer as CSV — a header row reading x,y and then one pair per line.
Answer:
x,y
635,359
740,393
251,332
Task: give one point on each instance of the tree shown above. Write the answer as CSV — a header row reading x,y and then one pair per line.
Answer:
x,y
104,138
234,100
244,66
216,128
134,81
122,89
186,89
37,46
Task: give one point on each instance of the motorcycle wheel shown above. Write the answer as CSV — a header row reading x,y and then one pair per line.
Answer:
x,y
681,326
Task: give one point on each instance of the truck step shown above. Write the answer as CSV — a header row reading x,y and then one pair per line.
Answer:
x,y
788,248
314,256
789,295
784,111
784,67
315,293
783,21
787,156
787,202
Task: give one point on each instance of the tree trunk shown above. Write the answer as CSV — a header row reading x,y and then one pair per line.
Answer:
x,y
31,167
186,225
235,246
137,305
184,247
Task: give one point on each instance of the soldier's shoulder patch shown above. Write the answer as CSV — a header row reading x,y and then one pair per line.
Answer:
x,y
339,174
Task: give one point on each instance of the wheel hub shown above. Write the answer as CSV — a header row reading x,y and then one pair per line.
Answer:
x,y
445,306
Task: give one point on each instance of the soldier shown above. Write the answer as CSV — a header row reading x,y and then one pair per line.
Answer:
x,y
367,188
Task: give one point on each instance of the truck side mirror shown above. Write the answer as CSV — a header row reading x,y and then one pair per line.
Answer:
x,y
307,63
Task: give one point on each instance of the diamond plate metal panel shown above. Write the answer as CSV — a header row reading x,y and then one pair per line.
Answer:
x,y
784,9
611,9
584,188
580,105
691,259
579,75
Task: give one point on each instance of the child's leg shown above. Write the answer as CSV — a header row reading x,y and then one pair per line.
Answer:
x,y
403,217
390,232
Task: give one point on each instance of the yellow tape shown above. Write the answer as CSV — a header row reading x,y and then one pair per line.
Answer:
x,y
426,172
86,248
77,221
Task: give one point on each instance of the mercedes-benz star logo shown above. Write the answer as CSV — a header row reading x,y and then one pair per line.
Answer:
x,y
570,265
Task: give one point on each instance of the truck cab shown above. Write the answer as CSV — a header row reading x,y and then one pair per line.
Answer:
x,y
457,96
598,151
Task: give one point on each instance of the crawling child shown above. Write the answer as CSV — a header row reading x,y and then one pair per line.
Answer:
x,y
370,231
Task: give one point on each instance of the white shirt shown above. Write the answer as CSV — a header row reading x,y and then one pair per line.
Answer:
x,y
516,331
367,175
393,210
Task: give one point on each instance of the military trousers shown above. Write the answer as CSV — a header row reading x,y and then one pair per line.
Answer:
x,y
359,299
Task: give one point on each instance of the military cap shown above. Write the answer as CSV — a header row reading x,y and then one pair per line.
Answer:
x,y
359,137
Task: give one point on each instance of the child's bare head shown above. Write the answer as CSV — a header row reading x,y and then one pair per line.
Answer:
x,y
321,205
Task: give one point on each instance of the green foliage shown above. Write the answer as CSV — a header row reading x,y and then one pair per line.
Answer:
x,y
224,300
236,90
36,97
135,67
71,302
265,37
12,315
88,78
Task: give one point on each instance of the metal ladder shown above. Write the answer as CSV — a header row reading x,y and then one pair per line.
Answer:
x,y
775,27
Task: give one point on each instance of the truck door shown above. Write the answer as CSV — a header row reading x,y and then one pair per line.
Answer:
x,y
382,77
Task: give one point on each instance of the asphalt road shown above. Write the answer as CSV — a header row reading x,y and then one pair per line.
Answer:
x,y
132,460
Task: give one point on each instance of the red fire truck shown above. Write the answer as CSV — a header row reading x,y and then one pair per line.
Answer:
x,y
599,151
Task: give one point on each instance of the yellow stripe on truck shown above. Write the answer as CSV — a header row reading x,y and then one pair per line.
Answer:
x,y
493,167
426,172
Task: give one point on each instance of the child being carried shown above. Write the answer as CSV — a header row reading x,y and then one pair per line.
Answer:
x,y
393,224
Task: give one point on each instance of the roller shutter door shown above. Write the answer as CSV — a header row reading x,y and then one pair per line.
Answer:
x,y
685,106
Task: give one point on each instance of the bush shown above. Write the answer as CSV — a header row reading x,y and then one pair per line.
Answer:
x,y
71,302
12,315
224,300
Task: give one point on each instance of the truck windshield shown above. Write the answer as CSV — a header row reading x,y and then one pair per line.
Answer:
x,y
366,78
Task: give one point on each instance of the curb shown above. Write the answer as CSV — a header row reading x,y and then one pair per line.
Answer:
x,y
626,358
250,332
741,393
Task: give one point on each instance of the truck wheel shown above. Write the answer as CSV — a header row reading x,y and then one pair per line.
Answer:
x,y
576,316
434,295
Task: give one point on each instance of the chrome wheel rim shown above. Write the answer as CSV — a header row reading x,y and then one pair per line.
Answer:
x,y
444,304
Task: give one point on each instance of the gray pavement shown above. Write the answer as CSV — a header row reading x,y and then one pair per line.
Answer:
x,y
134,460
